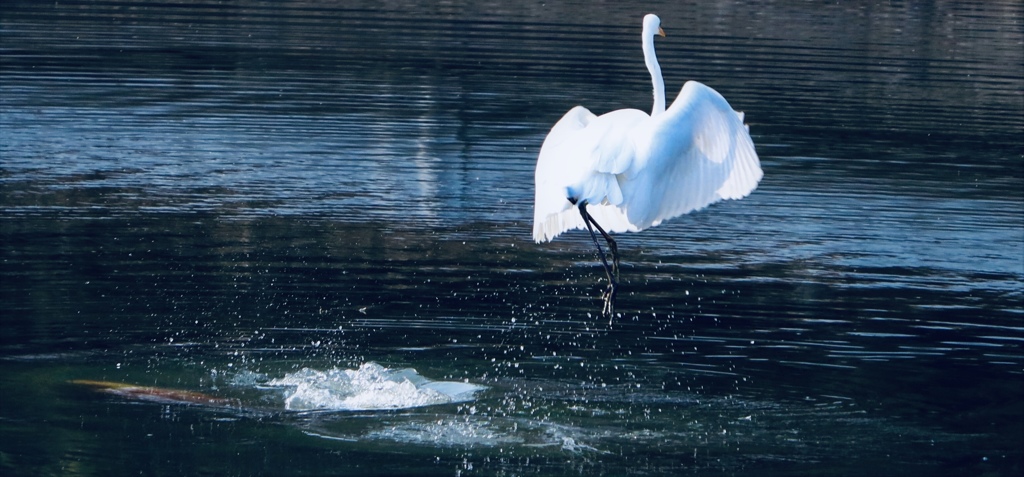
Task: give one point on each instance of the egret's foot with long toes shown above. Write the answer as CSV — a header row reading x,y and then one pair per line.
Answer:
x,y
608,310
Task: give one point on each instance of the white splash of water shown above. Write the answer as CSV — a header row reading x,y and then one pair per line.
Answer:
x,y
371,387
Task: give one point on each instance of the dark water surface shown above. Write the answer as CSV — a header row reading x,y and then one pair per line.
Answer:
x,y
211,197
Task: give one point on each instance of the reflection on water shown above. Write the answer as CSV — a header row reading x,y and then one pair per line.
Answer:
x,y
206,198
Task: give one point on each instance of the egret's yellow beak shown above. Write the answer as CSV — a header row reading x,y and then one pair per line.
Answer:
x,y
661,31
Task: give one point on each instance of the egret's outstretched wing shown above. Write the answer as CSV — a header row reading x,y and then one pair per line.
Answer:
x,y
581,158
694,154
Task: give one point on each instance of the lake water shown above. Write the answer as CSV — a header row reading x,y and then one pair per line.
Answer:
x,y
293,238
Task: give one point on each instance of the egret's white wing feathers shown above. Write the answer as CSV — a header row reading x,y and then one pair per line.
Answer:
x,y
549,193
581,158
697,153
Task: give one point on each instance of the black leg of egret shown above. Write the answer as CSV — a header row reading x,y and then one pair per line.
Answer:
x,y
612,272
612,247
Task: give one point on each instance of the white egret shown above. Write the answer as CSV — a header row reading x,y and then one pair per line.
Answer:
x,y
627,170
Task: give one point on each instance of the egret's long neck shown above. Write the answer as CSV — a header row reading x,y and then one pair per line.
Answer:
x,y
655,69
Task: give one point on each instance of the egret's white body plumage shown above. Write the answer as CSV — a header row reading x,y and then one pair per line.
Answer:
x,y
634,170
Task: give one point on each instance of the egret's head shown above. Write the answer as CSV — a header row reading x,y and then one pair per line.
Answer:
x,y
652,25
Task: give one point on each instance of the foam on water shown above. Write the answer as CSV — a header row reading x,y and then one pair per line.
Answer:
x,y
447,432
371,387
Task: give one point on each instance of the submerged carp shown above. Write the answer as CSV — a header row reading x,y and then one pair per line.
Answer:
x,y
151,393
